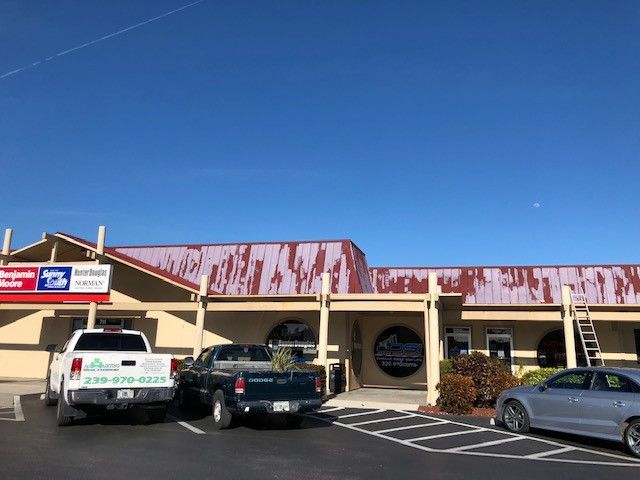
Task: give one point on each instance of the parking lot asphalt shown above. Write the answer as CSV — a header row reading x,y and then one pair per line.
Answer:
x,y
340,443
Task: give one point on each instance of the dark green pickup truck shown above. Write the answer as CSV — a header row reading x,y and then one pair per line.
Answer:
x,y
237,379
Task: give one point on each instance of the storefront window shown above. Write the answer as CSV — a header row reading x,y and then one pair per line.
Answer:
x,y
399,351
295,335
500,344
457,341
124,323
637,335
552,352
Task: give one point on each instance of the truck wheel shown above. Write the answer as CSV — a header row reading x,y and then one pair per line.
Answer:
x,y
63,420
221,416
49,399
156,415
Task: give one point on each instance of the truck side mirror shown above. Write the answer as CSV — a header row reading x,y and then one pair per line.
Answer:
x,y
188,361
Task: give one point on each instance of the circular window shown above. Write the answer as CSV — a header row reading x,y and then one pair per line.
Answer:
x,y
356,349
399,351
295,335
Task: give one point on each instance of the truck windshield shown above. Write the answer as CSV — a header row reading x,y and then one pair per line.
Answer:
x,y
244,353
119,342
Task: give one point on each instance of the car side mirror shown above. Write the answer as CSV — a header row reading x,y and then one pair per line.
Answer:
x,y
188,361
52,348
543,386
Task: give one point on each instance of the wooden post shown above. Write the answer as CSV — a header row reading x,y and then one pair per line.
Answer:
x,y
201,312
323,337
93,306
568,328
54,252
6,245
427,359
434,340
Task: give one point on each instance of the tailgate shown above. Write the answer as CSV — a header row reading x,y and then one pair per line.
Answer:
x,y
279,386
128,370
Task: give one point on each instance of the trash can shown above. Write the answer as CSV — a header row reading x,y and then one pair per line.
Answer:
x,y
337,379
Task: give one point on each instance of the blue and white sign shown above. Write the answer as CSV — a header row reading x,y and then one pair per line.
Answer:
x,y
54,279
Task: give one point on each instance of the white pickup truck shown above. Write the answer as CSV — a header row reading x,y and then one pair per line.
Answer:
x,y
110,369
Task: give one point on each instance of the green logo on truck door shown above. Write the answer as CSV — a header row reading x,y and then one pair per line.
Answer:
x,y
97,365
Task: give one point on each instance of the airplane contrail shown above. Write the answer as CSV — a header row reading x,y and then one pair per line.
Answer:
x,y
98,40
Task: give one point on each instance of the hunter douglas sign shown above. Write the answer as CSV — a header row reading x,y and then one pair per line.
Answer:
x,y
57,283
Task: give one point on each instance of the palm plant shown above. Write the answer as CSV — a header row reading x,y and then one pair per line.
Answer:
x,y
282,360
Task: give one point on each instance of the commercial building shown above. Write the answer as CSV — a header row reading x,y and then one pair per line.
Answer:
x,y
389,326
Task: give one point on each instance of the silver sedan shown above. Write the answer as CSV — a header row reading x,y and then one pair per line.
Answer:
x,y
597,402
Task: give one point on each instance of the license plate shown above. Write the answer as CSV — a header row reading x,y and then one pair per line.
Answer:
x,y
281,406
126,393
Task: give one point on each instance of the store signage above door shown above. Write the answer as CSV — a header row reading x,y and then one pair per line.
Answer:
x,y
55,283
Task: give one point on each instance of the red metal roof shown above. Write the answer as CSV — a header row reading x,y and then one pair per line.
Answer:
x,y
612,284
295,268
260,268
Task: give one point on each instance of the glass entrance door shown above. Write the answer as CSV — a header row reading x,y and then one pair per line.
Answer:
x,y
500,344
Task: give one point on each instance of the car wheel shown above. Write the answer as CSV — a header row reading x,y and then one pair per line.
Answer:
x,y
221,416
49,399
515,417
63,420
632,437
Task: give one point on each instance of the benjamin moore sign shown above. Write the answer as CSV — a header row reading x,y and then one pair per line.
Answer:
x,y
55,283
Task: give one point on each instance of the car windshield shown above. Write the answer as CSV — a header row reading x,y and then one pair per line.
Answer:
x,y
119,342
244,353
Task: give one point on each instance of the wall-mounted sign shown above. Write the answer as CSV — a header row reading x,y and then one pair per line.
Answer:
x,y
399,351
55,283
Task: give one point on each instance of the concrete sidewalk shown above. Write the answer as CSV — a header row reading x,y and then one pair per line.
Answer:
x,y
390,399
18,386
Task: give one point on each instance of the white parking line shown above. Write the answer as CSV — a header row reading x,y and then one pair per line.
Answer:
x,y
349,415
419,425
18,408
550,452
332,409
186,425
486,444
624,461
448,434
382,420
15,411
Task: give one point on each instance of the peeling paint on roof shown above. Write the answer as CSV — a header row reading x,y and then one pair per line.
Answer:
x,y
261,268
602,284
288,268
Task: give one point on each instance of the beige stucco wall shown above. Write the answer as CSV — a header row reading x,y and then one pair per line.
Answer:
x,y
24,336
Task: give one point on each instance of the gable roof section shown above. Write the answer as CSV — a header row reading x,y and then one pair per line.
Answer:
x,y
260,268
602,284
110,252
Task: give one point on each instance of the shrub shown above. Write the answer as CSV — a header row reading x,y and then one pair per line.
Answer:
x,y
534,377
446,366
504,381
457,394
484,371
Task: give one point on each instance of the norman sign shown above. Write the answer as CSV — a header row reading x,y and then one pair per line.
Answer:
x,y
57,283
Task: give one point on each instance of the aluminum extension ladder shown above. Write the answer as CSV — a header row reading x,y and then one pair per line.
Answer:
x,y
586,330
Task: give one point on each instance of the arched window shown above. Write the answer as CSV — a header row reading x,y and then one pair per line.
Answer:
x,y
295,335
552,352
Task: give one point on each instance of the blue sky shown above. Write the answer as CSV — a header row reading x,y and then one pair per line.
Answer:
x,y
424,131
